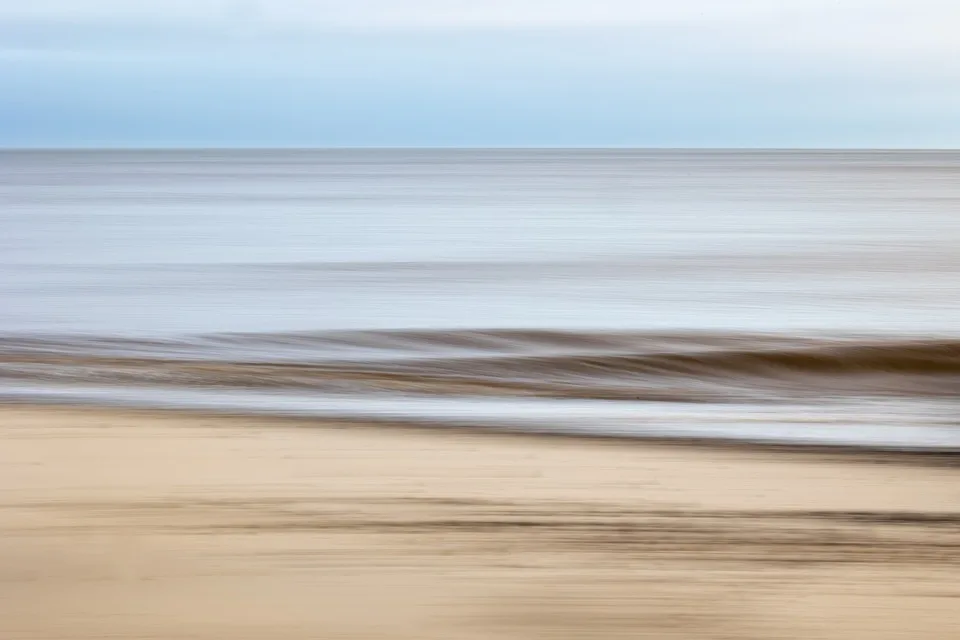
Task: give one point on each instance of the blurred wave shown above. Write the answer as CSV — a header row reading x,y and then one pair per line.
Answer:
x,y
595,365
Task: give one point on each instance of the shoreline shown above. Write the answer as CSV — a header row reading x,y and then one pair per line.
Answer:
x,y
176,524
845,452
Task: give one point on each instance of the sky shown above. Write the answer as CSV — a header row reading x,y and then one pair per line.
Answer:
x,y
480,73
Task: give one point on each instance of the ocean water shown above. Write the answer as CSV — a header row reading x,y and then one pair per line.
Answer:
x,y
808,297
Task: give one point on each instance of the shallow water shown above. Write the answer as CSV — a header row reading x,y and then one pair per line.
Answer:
x,y
775,296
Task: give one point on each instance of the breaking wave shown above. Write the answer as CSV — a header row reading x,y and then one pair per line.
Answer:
x,y
557,364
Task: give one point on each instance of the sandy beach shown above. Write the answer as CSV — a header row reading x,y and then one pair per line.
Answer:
x,y
172,526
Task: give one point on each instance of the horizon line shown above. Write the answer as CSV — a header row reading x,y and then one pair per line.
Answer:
x,y
455,148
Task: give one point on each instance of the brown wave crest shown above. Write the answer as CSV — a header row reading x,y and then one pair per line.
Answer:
x,y
505,363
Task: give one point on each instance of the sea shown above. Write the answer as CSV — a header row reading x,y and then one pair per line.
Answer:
x,y
781,297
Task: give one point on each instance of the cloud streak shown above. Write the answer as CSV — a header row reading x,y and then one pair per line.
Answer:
x,y
407,13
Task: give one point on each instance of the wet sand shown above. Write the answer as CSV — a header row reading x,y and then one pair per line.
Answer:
x,y
170,526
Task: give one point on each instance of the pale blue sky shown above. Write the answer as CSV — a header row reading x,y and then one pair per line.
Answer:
x,y
687,73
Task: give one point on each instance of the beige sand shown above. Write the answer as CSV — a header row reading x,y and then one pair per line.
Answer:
x,y
158,526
